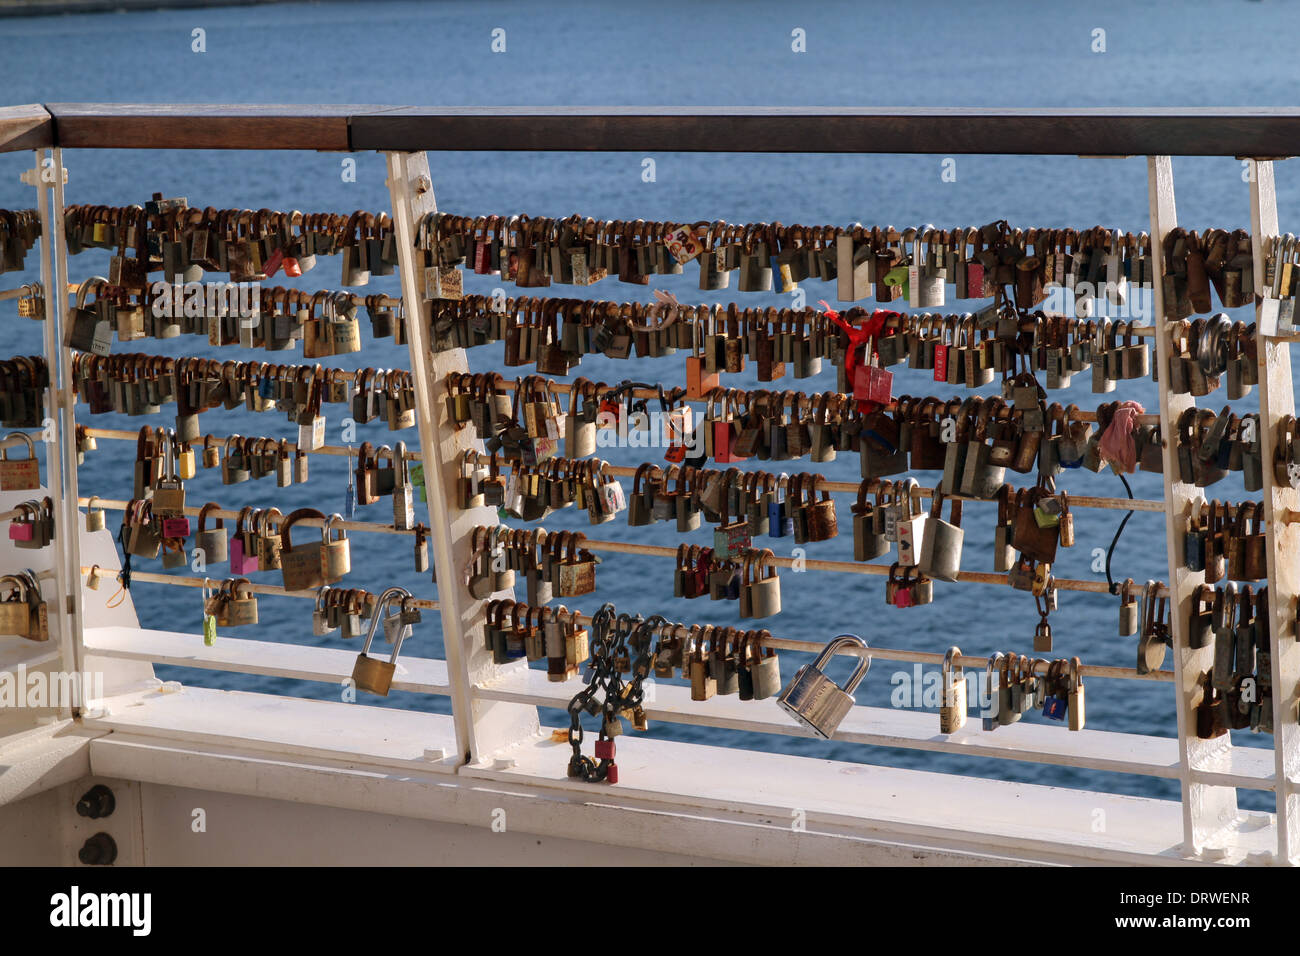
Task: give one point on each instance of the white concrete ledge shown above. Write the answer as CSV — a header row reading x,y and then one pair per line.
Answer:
x,y
717,804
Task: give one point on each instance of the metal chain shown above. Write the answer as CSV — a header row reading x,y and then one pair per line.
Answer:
x,y
611,634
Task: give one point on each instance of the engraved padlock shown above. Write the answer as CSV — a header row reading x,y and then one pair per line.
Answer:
x,y
952,710
814,699
369,673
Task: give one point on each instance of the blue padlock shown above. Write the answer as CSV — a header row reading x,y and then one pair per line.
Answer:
x,y
780,522
1055,708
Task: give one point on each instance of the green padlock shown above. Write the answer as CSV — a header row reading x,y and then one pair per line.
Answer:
x,y
898,276
1047,512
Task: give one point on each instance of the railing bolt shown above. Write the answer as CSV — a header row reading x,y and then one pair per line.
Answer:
x,y
97,802
99,850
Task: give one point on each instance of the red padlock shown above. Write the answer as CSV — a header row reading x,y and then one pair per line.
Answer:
x,y
873,384
612,775
604,749
273,263
292,268
20,531
941,363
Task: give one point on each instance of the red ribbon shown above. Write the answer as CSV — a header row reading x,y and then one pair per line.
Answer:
x,y
871,330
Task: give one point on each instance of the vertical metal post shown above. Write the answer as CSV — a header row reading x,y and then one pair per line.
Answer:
x,y
1207,810
1277,400
482,727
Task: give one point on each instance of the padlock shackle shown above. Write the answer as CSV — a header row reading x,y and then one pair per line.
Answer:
x,y
949,676
845,640
377,614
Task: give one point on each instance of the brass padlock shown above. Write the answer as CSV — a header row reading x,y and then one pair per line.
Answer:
x,y
952,710
1128,609
94,516
335,552
368,673
1076,709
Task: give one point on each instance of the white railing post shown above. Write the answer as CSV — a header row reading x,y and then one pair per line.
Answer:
x,y
482,726
1276,400
59,428
1207,809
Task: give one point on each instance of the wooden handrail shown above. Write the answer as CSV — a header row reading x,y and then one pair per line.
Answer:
x,y
25,127
1266,132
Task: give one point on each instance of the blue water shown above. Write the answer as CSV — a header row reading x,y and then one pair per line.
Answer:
x,y
975,54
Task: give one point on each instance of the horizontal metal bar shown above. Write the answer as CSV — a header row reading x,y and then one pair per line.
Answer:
x,y
150,577
629,471
842,567
224,513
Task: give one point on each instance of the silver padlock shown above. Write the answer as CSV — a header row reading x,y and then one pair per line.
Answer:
x,y
320,625
394,626
398,622
814,699
992,695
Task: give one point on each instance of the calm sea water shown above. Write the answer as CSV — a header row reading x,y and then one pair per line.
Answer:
x,y
975,54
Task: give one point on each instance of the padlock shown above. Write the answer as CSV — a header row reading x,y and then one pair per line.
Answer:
x,y
816,701
20,474
1128,609
1010,692
335,551
1076,701
368,673
301,566
952,710
94,516
1151,642
703,683
1043,636
396,624
320,617
989,715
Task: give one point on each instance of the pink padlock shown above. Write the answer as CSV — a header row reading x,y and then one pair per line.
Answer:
x,y
176,527
20,531
903,597
239,562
